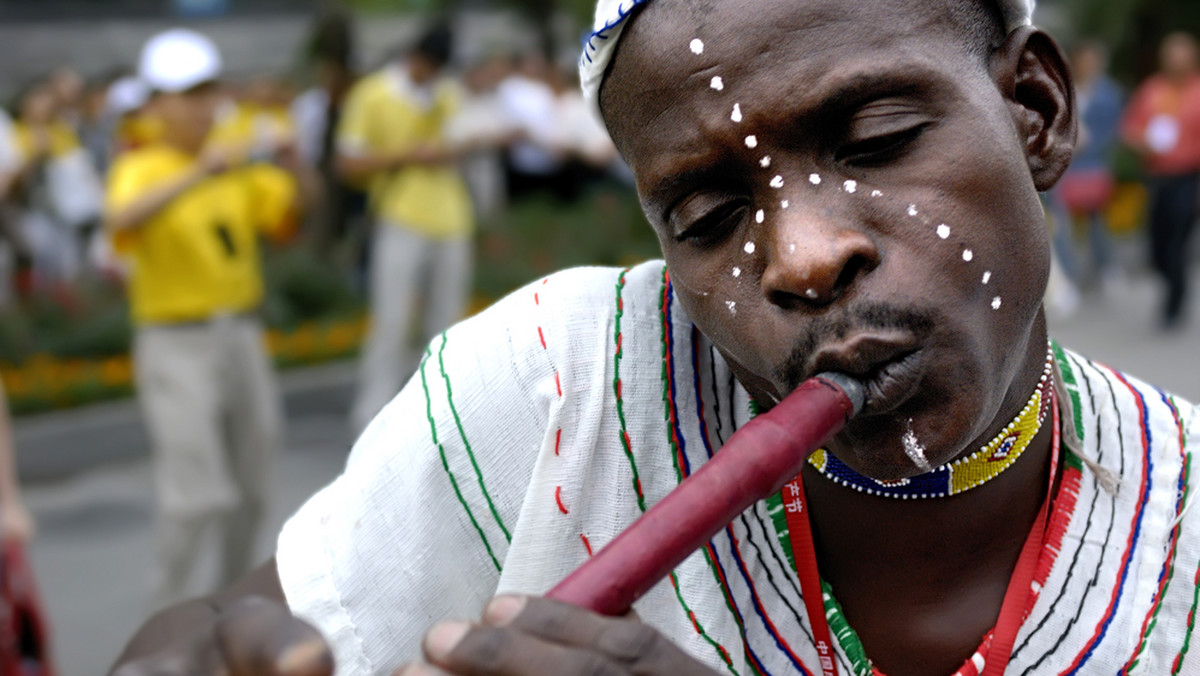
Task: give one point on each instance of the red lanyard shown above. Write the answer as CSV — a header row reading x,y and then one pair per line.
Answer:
x,y
1012,611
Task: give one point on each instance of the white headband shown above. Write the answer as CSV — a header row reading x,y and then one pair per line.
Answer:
x,y
612,15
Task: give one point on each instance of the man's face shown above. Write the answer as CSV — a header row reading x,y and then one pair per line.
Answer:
x,y
871,212
1179,55
1087,63
188,116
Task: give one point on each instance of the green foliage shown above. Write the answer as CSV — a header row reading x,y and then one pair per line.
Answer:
x,y
302,287
400,5
308,294
540,235
1133,28
93,321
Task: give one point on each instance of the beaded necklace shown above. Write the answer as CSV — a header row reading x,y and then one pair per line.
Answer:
x,y
975,664
959,475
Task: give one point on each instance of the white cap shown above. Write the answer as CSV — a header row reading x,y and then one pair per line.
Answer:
x,y
178,59
126,95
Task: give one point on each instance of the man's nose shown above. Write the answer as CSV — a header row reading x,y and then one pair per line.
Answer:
x,y
814,256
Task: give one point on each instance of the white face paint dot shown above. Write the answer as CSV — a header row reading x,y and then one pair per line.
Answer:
x,y
943,231
876,193
996,303
785,204
912,210
811,294
750,245
736,116
732,307
751,141
968,255
791,248
697,46
815,179
765,161
737,272
717,83
758,218
850,186
777,182
987,276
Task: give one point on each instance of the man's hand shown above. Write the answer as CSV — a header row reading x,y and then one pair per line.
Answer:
x,y
222,158
253,637
427,154
16,523
528,636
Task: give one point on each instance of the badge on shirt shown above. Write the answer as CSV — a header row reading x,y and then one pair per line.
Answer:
x,y
1162,134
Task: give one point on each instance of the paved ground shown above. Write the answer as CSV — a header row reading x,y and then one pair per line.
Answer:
x,y
89,482
94,521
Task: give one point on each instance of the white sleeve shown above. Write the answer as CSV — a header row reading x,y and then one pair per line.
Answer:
x,y
10,154
417,527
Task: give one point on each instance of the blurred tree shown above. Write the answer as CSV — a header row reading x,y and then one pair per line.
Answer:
x,y
540,13
1133,28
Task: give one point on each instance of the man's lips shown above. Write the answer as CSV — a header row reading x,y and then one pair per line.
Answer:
x,y
889,366
893,383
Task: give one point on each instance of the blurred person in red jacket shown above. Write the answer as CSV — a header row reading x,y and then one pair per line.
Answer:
x,y
1162,124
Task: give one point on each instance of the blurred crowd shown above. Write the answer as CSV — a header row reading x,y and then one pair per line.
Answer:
x,y
520,126
163,178
1158,124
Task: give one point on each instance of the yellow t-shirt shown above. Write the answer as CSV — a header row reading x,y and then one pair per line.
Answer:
x,y
384,113
199,255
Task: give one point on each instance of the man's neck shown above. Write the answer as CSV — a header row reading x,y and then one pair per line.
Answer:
x,y
941,565
933,543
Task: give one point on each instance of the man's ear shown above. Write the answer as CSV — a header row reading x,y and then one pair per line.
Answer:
x,y
1033,77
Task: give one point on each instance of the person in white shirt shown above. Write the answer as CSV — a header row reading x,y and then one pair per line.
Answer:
x,y
857,192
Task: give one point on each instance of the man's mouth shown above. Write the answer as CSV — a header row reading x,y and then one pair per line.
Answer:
x,y
892,383
889,366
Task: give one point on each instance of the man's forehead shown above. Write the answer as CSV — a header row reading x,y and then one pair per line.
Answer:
x,y
613,17
809,54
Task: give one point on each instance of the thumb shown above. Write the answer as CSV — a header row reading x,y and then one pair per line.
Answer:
x,y
261,638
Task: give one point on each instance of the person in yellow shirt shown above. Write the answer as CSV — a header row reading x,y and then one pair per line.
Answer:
x,y
392,138
187,217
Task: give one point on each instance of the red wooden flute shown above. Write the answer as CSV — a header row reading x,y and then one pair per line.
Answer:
x,y
753,464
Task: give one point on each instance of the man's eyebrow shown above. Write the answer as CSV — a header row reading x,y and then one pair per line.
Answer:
x,y
829,100
861,86
661,194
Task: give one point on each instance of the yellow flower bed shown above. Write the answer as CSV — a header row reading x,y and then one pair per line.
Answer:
x,y
45,381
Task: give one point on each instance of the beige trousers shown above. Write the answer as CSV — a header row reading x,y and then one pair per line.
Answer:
x,y
407,270
214,417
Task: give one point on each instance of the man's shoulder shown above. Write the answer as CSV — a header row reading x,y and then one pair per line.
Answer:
x,y
371,88
583,298
136,170
1072,364
1114,403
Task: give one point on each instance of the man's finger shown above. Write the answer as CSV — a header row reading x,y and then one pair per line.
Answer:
x,y
485,650
261,638
623,639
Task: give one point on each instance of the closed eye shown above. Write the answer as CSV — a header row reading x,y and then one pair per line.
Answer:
x,y
879,150
714,225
